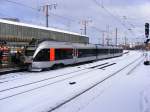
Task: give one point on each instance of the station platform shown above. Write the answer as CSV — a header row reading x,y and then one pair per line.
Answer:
x,y
10,70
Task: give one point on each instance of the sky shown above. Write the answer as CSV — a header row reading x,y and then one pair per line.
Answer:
x,y
103,16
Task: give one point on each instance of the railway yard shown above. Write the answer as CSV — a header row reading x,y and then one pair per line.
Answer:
x,y
74,56
106,85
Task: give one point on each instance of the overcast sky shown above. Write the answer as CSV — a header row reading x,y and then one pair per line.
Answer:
x,y
129,16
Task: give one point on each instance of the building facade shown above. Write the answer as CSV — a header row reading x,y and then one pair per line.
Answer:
x,y
15,36
20,32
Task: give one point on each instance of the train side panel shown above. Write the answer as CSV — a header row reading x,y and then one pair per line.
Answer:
x,y
85,52
49,54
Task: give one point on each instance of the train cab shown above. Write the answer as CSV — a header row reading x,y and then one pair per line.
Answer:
x,y
52,54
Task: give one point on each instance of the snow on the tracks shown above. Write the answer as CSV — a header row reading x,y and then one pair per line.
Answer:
x,y
122,93
51,95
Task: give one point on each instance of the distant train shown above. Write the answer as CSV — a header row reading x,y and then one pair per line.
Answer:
x,y
50,54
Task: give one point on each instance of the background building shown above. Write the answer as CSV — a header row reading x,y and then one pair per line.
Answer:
x,y
16,36
22,33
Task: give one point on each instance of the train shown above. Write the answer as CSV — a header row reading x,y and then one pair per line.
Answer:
x,y
51,54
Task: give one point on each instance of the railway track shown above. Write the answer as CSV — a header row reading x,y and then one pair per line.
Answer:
x,y
13,78
79,72
14,93
71,75
5,93
101,81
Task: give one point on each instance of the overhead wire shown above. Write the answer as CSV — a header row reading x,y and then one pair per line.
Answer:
x,y
35,9
114,16
72,19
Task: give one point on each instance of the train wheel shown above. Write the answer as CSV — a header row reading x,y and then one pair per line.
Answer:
x,y
58,66
29,68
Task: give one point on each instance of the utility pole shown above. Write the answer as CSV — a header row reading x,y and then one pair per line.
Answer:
x,y
103,41
46,9
81,30
85,24
108,39
125,42
116,36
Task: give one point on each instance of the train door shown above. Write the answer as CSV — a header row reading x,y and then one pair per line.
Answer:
x,y
75,55
64,55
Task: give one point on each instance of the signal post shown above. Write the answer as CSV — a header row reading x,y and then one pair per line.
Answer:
x,y
147,56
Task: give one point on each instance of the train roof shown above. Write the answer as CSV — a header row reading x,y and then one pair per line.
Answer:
x,y
69,44
49,44
85,46
110,47
39,27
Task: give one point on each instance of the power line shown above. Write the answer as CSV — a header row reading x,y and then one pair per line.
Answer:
x,y
37,10
114,16
71,19
17,3
1,13
97,29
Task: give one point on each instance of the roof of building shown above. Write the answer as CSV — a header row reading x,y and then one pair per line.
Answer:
x,y
38,27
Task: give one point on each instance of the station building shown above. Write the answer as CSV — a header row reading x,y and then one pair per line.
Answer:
x,y
16,36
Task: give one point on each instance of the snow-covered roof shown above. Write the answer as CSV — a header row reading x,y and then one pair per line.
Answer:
x,y
38,27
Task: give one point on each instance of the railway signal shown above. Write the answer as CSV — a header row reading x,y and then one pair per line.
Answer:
x,y
147,60
147,30
147,33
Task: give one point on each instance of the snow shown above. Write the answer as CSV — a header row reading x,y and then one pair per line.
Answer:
x,y
146,99
122,93
127,91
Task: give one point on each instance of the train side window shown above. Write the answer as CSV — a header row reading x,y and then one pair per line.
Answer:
x,y
103,51
118,51
61,54
100,51
42,55
106,51
111,51
86,52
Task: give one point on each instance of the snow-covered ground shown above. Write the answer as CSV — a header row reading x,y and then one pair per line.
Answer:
x,y
124,93
121,87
